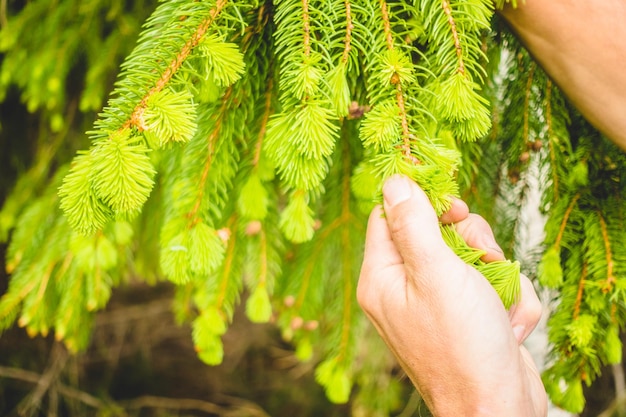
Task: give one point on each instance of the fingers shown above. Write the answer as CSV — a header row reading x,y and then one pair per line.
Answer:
x,y
474,229
406,246
525,315
458,211
478,234
413,224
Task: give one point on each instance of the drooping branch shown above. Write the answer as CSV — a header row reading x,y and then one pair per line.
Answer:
x,y
610,278
211,144
227,265
136,118
306,26
395,80
579,293
568,212
346,261
445,4
349,27
526,111
551,144
267,111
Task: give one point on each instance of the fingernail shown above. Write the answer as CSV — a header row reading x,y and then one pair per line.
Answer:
x,y
396,190
518,332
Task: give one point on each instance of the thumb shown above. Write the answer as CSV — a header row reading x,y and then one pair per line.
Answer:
x,y
413,224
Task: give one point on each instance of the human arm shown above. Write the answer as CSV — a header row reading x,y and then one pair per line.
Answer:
x,y
442,319
580,44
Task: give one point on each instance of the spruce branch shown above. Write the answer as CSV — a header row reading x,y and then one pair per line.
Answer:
x,y
526,109
348,37
306,28
267,111
222,294
395,79
579,294
258,307
455,36
137,116
346,262
608,284
551,139
566,216
211,141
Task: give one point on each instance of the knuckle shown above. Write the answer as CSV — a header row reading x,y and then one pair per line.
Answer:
x,y
363,295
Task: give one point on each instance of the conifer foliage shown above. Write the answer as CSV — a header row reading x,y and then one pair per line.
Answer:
x,y
244,144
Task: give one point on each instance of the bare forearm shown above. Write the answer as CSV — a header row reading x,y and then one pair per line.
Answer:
x,y
579,43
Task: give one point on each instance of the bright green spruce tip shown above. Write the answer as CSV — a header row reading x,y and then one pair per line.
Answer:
x,y
613,345
213,321
211,351
194,252
304,349
85,212
579,176
573,398
466,110
381,127
340,90
169,117
253,198
258,305
581,330
123,232
206,249
106,253
207,330
335,380
504,276
299,142
395,63
303,79
549,271
297,220
122,172
224,62
567,393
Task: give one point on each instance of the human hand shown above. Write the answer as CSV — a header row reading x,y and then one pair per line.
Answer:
x,y
440,317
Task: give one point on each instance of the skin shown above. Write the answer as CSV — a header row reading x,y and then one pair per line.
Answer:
x,y
580,45
442,320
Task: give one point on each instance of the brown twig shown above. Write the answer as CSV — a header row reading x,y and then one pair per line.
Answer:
x,y
579,293
347,43
34,378
455,35
568,212
306,27
395,80
56,363
551,144
193,216
263,129
529,85
610,278
146,401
